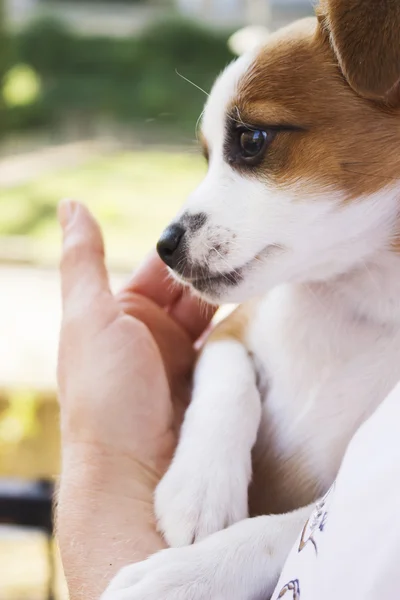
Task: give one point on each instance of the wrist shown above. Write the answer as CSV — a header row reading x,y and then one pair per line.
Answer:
x,y
101,470
105,512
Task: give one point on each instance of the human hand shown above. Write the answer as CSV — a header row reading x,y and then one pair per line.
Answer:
x,y
125,362
125,365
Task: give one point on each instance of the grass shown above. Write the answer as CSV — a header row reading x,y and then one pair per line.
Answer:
x,y
134,195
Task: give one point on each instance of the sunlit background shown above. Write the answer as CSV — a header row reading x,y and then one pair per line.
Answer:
x,y
94,105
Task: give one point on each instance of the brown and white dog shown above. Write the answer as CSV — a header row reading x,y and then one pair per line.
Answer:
x,y
298,218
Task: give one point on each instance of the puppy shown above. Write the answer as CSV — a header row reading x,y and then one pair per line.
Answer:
x,y
297,219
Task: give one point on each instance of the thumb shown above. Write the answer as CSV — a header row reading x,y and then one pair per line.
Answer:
x,y
83,272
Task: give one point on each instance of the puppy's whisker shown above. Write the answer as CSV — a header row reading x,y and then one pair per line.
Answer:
x,y
197,124
191,82
230,268
373,280
221,273
239,120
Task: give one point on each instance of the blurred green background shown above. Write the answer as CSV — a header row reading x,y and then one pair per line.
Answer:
x,y
94,105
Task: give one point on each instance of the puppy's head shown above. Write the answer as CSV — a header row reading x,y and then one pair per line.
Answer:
x,y
302,141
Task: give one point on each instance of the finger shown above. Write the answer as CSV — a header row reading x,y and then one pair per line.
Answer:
x,y
83,272
193,314
173,342
152,279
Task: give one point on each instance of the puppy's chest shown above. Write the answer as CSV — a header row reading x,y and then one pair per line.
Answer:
x,y
322,373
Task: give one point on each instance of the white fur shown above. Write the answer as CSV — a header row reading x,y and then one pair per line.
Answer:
x,y
205,489
320,236
327,339
243,561
319,392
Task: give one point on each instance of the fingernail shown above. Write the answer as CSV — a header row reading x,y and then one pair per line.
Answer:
x,y
66,212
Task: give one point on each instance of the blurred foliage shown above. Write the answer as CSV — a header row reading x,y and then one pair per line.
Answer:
x,y
21,86
133,194
104,1
4,63
125,79
19,420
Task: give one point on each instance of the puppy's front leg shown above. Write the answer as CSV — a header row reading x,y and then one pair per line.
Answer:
x,y
206,486
242,562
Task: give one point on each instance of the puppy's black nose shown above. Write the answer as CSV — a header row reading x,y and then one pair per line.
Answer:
x,y
169,245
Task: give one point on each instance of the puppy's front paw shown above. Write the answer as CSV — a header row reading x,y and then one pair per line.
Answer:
x,y
168,575
226,566
199,496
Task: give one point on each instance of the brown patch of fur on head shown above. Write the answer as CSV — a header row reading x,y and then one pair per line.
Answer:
x,y
347,143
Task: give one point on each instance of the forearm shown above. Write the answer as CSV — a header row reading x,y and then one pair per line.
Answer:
x,y
104,520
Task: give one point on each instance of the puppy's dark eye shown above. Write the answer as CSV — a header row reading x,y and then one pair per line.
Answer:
x,y
253,142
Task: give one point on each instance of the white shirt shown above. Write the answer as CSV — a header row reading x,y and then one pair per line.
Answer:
x,y
350,547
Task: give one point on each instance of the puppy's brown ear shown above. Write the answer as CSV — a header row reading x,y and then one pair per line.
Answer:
x,y
365,35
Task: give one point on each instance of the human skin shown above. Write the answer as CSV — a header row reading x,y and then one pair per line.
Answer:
x,y
124,372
